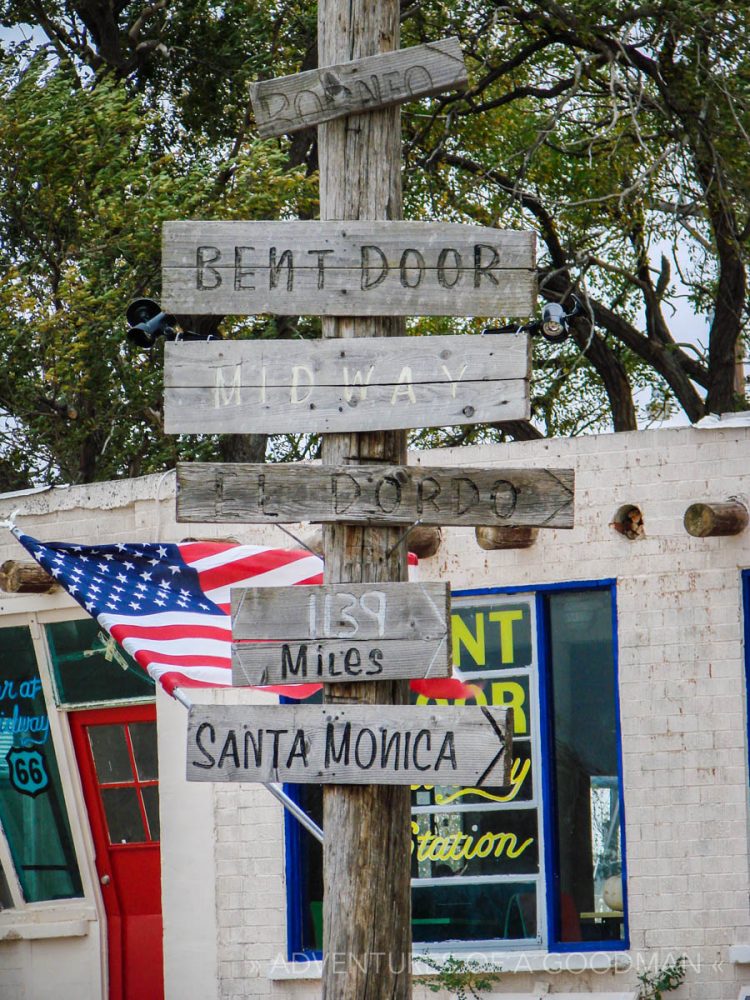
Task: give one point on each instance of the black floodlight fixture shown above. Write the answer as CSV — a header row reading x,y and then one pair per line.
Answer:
x,y
147,322
553,326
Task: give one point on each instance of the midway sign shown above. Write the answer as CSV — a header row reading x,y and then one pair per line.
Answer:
x,y
351,744
339,633
374,494
327,385
289,103
347,269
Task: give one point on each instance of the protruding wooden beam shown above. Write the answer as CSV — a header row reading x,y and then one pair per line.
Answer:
x,y
25,578
505,538
424,541
705,520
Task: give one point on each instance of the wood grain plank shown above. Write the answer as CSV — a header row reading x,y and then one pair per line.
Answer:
x,y
289,103
343,268
375,494
351,611
363,384
337,661
350,744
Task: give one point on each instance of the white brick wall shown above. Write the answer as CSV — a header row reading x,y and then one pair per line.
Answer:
x,y
682,692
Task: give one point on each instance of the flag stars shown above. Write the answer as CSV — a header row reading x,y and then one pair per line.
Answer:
x,y
146,576
135,606
162,552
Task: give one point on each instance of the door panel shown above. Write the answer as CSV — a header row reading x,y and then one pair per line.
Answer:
x,y
117,760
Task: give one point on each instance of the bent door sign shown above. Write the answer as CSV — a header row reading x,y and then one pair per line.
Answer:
x,y
332,385
347,269
350,744
290,103
340,632
374,494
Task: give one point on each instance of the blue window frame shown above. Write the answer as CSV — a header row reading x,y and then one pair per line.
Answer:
x,y
550,871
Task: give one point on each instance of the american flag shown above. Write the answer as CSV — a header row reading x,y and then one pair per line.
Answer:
x,y
168,605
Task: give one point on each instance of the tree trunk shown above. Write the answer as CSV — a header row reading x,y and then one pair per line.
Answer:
x,y
367,906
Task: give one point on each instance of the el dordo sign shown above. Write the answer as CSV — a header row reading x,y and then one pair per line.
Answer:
x,y
374,494
347,269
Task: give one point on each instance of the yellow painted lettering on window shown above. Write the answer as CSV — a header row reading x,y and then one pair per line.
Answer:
x,y
473,642
506,619
510,694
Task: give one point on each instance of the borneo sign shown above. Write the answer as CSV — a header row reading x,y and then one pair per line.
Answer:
x,y
290,103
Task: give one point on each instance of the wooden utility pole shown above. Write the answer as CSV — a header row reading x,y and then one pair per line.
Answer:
x,y
360,268
366,870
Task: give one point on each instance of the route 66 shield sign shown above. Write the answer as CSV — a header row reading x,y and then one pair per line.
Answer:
x,y
28,771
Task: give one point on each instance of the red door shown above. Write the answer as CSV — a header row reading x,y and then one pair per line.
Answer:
x,y
116,752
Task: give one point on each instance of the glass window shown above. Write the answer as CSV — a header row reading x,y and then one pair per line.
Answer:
x,y
589,902
32,809
478,857
127,776
89,666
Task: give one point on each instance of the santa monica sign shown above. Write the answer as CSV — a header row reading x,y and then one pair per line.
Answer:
x,y
352,744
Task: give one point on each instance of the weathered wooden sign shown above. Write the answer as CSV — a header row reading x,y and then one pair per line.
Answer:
x,y
340,632
365,383
347,269
350,744
290,103
375,494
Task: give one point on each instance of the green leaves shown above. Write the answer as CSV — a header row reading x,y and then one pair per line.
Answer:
x,y
86,182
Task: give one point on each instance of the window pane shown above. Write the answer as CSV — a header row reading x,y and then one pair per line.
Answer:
x,y
90,667
588,834
493,911
6,900
151,802
32,809
143,738
492,842
110,752
123,816
491,637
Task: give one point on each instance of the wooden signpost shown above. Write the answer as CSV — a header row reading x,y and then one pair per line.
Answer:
x,y
347,269
374,494
350,744
363,384
338,633
290,103
300,386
